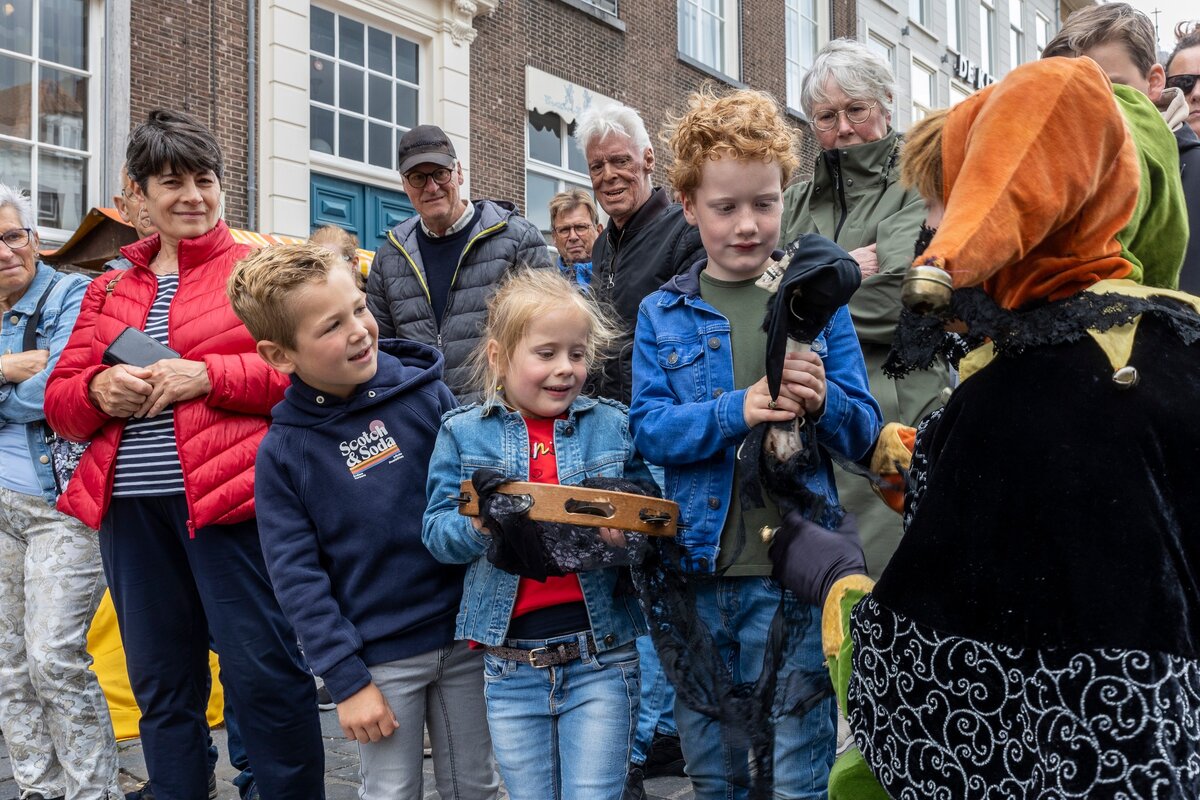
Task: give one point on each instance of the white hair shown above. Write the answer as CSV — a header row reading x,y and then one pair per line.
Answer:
x,y
858,70
19,202
601,120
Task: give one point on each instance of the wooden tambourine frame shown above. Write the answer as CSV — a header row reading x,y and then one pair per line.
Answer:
x,y
586,507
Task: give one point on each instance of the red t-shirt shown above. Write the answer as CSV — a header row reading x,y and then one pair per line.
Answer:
x,y
543,468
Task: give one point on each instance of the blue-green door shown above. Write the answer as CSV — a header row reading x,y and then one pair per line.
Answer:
x,y
368,212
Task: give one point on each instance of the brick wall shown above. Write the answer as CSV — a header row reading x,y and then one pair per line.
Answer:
x,y
190,55
637,66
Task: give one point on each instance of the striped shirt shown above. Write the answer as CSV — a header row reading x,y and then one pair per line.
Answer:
x,y
148,457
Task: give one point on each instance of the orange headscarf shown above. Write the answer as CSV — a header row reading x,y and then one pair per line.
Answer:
x,y
1040,173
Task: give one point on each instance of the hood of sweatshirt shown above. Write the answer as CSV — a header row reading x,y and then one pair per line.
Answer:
x,y
404,366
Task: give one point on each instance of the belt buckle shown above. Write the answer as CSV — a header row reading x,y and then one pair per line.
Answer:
x,y
533,654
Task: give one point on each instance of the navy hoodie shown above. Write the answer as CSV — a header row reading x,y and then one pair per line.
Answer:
x,y
340,493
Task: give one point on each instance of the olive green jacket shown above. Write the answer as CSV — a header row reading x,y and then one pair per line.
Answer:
x,y
855,198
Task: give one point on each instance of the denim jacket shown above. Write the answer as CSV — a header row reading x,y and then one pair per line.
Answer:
x,y
21,403
687,417
593,441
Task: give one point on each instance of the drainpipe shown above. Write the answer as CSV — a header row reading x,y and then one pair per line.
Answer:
x,y
251,116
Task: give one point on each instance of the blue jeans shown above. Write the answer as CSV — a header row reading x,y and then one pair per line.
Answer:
x,y
565,731
169,591
656,714
738,613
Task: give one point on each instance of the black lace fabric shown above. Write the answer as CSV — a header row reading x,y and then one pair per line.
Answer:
x,y
539,550
747,711
921,339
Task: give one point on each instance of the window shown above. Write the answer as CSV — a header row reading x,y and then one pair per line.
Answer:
x,y
924,89
1016,38
1041,31
884,48
708,33
954,33
918,11
986,36
803,41
364,89
44,133
958,93
609,6
554,163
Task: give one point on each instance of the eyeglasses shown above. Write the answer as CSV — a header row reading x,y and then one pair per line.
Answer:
x,y
579,230
16,239
1184,83
856,114
417,180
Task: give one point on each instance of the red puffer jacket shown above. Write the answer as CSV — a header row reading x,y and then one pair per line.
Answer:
x,y
217,435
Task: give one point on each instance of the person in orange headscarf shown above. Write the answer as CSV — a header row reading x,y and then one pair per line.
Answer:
x,y
1037,633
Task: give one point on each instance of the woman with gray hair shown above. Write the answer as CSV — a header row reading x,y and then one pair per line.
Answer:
x,y
52,712
854,198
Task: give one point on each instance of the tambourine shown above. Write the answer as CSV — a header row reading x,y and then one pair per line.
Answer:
x,y
579,505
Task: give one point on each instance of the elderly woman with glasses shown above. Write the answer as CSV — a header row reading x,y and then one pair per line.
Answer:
x,y
854,198
52,713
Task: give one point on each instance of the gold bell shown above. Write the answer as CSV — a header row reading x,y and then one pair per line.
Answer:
x,y
926,290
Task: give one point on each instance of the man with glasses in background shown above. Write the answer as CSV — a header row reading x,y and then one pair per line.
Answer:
x,y
574,224
431,280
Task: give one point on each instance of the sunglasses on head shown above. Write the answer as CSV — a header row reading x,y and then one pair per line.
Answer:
x,y
1184,83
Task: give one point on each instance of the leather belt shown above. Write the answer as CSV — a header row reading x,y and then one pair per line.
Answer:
x,y
583,506
551,655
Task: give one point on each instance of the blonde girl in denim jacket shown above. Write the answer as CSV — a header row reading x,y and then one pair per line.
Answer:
x,y
560,671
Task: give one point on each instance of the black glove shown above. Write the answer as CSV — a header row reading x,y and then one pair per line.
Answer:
x,y
809,559
515,545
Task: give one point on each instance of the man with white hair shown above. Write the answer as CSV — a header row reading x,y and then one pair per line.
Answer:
x,y
647,240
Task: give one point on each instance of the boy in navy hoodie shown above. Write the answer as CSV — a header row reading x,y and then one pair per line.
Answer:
x,y
339,486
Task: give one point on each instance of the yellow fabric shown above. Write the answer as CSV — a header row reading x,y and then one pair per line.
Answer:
x,y
104,643
833,626
1040,174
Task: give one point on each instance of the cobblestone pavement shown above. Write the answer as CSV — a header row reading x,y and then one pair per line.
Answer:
x,y
341,770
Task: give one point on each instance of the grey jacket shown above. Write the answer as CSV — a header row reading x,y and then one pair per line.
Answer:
x,y
398,293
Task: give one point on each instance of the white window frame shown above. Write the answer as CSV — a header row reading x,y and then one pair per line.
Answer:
x,y
731,35
796,69
337,166
923,13
917,110
1016,32
95,122
874,40
987,37
1041,31
958,93
565,177
955,34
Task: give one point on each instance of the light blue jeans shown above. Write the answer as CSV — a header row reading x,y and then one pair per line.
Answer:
x,y
738,613
564,732
440,690
657,711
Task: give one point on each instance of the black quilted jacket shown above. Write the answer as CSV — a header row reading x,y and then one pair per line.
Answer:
x,y
398,295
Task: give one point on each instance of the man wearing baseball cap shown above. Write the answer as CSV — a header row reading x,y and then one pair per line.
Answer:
x,y
431,280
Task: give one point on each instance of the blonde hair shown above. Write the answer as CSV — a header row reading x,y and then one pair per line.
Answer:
x,y
921,158
262,282
524,296
341,241
745,124
565,202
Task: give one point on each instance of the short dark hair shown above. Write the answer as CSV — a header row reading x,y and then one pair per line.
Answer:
x,y
1185,40
171,140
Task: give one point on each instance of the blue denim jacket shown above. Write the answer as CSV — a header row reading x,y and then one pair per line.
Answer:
x,y
21,403
687,417
593,441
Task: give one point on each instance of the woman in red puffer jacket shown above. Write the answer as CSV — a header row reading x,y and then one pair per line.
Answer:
x,y
169,479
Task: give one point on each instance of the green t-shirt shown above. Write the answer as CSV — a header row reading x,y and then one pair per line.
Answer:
x,y
745,306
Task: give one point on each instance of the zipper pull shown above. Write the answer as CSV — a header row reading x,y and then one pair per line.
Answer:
x,y
439,340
